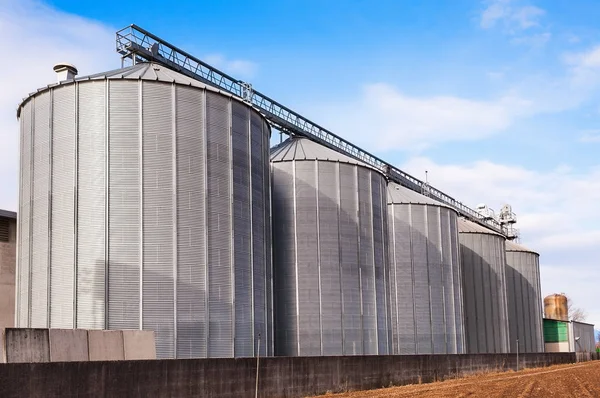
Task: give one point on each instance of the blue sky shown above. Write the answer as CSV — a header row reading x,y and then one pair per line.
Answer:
x,y
499,100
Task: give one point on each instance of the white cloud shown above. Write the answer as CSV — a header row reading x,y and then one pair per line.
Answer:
x,y
555,212
534,40
232,66
590,136
34,38
389,119
527,17
512,16
517,20
495,11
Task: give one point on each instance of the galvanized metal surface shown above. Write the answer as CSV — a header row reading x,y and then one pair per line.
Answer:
x,y
138,45
148,196
484,288
425,284
330,254
586,335
524,299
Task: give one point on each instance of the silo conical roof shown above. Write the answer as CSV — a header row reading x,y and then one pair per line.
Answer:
x,y
149,71
397,194
515,247
466,226
300,148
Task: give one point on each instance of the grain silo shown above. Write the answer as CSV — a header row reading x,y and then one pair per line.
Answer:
x,y
524,299
483,260
145,205
330,254
556,306
425,282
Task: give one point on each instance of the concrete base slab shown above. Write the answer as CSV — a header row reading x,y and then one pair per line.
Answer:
x,y
105,345
139,344
27,345
68,345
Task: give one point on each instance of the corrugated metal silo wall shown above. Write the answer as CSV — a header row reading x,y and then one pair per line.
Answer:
x,y
147,205
425,281
329,240
484,292
587,340
524,299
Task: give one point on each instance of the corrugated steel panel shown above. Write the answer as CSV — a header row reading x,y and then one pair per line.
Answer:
x,y
24,241
459,316
259,162
157,216
523,298
124,218
307,241
91,202
242,225
366,262
62,255
192,292
329,230
268,335
585,333
329,259
349,258
380,263
284,260
40,212
484,285
219,228
188,213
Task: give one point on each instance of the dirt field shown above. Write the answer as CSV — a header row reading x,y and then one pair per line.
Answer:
x,y
577,380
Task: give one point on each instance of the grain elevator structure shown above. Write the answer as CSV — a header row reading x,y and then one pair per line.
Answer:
x,y
149,198
425,285
145,205
330,252
484,285
524,298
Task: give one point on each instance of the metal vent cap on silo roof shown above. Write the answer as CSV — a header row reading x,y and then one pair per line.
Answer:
x,y
469,227
515,247
300,148
397,194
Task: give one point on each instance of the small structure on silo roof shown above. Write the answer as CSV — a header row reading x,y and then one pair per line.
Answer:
x,y
425,284
524,298
484,288
330,254
144,204
556,306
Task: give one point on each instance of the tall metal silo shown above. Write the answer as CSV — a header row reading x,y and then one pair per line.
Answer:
x,y
483,260
144,201
330,254
524,298
425,280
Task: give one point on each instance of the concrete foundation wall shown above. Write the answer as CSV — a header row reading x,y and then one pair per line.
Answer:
x,y
68,345
64,345
106,345
138,344
278,376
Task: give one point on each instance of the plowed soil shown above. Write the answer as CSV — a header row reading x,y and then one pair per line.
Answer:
x,y
576,380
